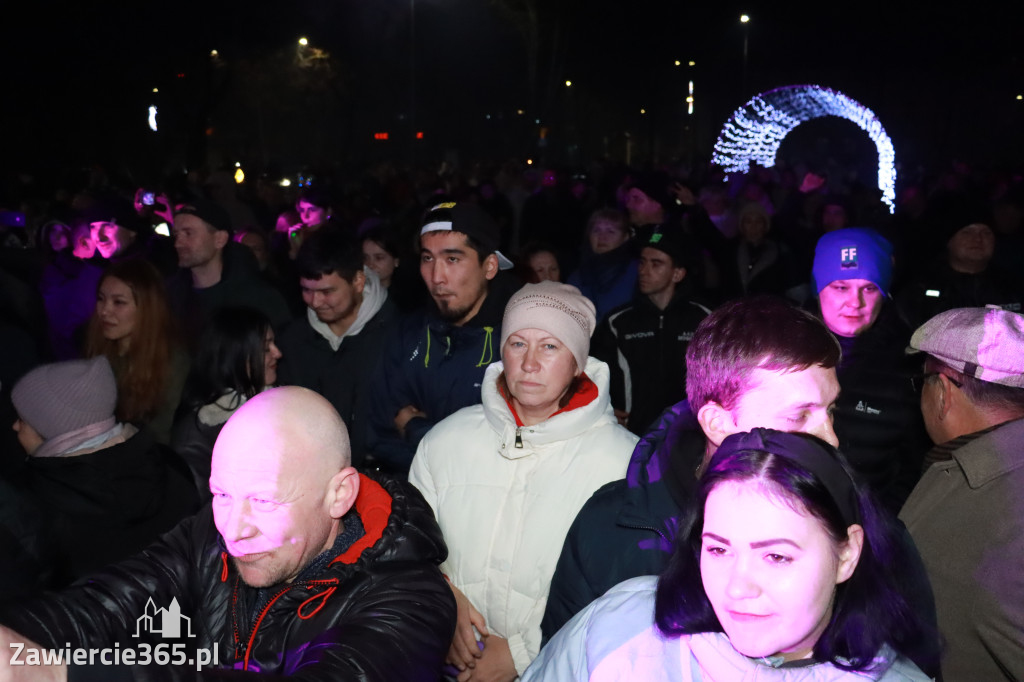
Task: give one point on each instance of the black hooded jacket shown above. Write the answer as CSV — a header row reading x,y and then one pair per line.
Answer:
x,y
379,611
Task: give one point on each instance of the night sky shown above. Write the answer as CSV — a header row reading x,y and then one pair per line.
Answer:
x,y
78,77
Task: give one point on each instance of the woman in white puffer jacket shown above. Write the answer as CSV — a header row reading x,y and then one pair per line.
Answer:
x,y
507,477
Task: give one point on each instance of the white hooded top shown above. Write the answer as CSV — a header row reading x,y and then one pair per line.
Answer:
x,y
505,510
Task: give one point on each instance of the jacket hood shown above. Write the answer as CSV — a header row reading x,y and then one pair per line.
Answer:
x,y
374,296
399,525
560,427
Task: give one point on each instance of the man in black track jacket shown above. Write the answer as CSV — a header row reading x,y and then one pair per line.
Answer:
x,y
302,567
644,341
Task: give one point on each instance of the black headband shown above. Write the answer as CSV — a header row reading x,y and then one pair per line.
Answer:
x,y
817,458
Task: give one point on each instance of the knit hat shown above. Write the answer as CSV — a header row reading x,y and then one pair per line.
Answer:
x,y
655,185
559,309
66,396
984,343
853,253
208,211
470,220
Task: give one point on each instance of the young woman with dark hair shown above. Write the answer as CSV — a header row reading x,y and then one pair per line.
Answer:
x,y
237,359
132,327
785,564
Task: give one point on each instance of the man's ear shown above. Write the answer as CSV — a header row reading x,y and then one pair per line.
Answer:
x,y
678,275
716,422
946,396
343,490
491,266
220,238
359,281
849,553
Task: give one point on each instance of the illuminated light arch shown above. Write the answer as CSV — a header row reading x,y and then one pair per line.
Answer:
x,y
756,130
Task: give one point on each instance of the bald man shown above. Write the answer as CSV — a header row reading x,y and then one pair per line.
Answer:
x,y
299,564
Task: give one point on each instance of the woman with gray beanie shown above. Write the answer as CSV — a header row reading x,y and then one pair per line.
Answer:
x,y
506,478
107,489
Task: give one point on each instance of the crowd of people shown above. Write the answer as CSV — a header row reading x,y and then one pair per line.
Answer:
x,y
638,424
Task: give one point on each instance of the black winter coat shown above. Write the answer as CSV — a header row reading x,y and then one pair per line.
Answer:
x,y
384,614
343,376
878,414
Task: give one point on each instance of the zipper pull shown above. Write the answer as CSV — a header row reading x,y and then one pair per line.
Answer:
x,y
519,437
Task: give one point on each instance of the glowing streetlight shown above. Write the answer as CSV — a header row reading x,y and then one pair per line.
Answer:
x,y
678,63
643,111
214,54
303,41
568,84
744,19
286,183
156,89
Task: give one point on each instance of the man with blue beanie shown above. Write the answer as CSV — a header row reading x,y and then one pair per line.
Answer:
x,y
877,415
852,273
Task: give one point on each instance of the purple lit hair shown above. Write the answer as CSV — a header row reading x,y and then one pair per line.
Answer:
x,y
870,610
760,332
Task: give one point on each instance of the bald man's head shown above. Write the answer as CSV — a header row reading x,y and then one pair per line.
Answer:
x,y
281,481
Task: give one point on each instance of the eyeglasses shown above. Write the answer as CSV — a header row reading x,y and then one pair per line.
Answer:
x,y
919,380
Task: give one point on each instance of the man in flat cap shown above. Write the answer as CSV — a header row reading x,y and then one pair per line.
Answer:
x,y
966,515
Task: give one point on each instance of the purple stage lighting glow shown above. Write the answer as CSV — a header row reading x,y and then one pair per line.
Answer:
x,y
756,130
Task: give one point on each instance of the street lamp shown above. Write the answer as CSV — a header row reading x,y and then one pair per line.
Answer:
x,y
303,41
745,22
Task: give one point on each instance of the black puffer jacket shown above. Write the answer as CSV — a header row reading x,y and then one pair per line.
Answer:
x,y
380,611
878,413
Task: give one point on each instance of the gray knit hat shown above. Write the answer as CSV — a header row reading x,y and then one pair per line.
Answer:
x,y
66,396
559,309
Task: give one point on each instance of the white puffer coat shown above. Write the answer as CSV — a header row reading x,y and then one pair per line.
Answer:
x,y
505,510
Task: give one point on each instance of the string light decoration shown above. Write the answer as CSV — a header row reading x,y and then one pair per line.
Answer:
x,y
756,130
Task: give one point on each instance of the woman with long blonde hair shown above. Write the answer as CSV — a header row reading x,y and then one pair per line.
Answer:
x,y
132,327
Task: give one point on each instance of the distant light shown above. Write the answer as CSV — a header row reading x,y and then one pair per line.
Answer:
x,y
755,130
1018,96
152,118
156,89
690,98
678,63
380,136
419,135
163,229
181,75
537,121
303,42
488,117
932,293
689,88
214,53
529,162
520,112
238,164
744,18
692,63
239,176
643,111
286,182
568,84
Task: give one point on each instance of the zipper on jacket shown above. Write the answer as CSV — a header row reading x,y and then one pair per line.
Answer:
x,y
519,437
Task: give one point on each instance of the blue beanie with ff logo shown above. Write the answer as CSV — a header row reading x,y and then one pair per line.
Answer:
x,y
853,253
